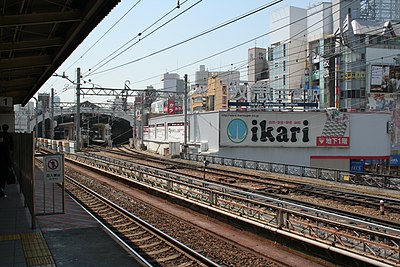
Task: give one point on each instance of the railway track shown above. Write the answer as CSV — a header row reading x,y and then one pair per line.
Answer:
x,y
328,230
282,189
334,232
154,246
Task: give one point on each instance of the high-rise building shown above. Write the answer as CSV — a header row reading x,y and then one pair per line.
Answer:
x,y
201,76
319,68
287,53
365,55
172,83
257,65
44,102
380,10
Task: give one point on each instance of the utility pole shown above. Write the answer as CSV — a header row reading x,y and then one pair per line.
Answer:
x,y
134,124
78,110
142,122
43,122
36,121
185,106
52,114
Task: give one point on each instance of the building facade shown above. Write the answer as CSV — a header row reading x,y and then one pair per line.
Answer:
x,y
287,53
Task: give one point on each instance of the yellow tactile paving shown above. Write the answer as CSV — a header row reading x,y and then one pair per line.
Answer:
x,y
37,254
36,251
9,237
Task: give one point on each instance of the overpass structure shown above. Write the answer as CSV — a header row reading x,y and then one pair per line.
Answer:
x,y
68,109
97,120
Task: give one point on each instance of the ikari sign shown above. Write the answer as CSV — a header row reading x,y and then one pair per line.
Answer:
x,y
237,131
277,129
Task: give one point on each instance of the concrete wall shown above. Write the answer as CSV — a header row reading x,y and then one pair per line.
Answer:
x,y
203,127
367,131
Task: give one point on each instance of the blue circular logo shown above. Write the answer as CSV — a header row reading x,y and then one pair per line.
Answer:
x,y
237,130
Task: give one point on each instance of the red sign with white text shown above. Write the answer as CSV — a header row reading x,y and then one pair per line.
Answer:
x,y
171,107
333,141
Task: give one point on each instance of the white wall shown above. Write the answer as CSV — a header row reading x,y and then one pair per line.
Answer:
x,y
319,21
205,127
278,19
368,138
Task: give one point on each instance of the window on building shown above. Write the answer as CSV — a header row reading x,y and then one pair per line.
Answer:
x,y
284,65
284,50
284,79
212,102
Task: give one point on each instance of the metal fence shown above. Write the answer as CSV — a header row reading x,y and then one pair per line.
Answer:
x,y
341,176
366,241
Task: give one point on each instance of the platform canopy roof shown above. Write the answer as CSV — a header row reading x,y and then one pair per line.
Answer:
x,y
37,36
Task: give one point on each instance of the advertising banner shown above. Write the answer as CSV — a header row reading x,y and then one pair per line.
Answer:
x,y
356,166
277,129
175,131
385,79
160,132
171,106
146,133
382,102
152,132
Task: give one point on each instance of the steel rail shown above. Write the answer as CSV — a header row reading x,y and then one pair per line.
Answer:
x,y
373,243
368,179
273,183
182,248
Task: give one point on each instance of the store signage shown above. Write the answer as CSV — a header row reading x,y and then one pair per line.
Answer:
x,y
277,129
333,141
357,166
395,160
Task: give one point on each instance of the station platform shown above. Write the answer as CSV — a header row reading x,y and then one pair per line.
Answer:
x,y
72,238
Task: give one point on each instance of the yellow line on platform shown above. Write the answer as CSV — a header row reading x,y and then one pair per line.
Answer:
x,y
9,237
37,254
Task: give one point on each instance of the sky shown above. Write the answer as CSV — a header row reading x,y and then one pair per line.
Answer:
x,y
144,63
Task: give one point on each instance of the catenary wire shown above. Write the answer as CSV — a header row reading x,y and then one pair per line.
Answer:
x,y
191,38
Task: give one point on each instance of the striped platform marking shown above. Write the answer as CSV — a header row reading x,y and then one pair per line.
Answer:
x,y
37,254
9,237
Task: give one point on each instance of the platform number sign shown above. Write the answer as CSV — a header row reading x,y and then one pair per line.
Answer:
x,y
6,101
53,168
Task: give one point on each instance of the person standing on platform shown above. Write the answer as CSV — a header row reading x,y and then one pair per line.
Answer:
x,y
6,149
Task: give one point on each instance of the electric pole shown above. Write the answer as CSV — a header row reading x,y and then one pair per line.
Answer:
x,y
52,114
78,110
185,106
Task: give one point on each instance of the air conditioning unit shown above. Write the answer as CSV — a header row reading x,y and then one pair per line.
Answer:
x,y
203,146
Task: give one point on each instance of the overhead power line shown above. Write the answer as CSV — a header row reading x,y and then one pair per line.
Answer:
x,y
101,37
140,35
192,38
